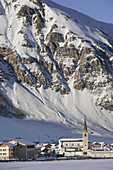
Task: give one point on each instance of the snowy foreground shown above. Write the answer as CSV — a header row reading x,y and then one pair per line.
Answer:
x,y
60,165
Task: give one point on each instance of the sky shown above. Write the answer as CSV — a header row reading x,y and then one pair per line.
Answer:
x,y
101,10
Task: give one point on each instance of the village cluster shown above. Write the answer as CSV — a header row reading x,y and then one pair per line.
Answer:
x,y
19,149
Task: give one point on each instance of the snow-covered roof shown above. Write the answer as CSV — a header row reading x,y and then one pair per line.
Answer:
x,y
42,149
45,144
9,144
70,150
22,141
108,147
37,146
53,146
101,143
71,140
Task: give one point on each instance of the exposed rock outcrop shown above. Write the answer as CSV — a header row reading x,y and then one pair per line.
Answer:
x,y
50,54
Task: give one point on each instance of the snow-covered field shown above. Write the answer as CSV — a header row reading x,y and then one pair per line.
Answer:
x,y
46,121
60,165
41,131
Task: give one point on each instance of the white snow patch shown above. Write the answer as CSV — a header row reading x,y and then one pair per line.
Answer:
x,y
60,165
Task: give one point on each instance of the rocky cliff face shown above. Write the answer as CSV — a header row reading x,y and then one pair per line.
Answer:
x,y
41,46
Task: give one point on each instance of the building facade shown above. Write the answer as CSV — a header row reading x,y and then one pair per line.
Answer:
x,y
7,151
100,154
24,149
71,146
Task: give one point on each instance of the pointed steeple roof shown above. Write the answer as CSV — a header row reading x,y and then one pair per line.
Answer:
x,y
85,126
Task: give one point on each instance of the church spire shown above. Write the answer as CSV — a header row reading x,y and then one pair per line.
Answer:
x,y
85,126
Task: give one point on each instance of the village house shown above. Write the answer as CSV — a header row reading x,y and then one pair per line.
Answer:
x,y
111,145
7,151
107,148
54,149
37,150
96,146
24,150
46,150
100,154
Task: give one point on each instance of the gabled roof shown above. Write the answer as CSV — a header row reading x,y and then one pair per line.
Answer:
x,y
22,141
71,140
108,147
101,143
96,143
8,144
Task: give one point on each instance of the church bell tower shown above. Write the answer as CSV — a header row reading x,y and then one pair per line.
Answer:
x,y
85,138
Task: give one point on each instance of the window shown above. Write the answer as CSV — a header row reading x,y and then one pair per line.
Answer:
x,y
21,146
72,144
11,149
66,144
4,149
4,154
0,149
30,146
0,153
62,144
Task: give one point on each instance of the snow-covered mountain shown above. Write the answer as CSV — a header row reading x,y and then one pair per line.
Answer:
x,y
55,68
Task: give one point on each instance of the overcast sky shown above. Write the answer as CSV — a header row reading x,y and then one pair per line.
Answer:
x,y
101,10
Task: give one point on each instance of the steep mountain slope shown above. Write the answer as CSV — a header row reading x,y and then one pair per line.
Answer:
x,y
55,66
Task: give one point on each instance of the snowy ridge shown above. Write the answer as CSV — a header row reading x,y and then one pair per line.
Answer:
x,y
61,67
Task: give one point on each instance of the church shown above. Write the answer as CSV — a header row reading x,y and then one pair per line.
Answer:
x,y
75,146
81,147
